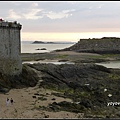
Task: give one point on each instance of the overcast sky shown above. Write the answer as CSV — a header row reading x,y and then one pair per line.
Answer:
x,y
63,17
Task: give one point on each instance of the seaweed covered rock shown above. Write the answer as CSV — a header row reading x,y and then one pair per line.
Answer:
x,y
92,86
28,77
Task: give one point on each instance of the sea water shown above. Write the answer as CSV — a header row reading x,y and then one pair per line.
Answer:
x,y
29,47
110,64
53,62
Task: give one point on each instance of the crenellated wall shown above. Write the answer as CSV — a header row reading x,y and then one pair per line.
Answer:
x,y
10,48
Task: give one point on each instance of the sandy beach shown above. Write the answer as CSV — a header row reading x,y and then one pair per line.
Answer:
x,y
26,106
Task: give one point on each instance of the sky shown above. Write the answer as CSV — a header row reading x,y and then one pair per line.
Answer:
x,y
63,20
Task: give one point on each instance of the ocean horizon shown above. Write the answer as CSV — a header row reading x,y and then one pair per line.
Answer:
x,y
30,47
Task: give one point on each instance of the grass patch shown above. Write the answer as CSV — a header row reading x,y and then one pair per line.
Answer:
x,y
114,76
61,56
111,55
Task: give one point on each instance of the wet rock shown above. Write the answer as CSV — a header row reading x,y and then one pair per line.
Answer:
x,y
53,99
43,49
42,98
34,96
72,79
46,116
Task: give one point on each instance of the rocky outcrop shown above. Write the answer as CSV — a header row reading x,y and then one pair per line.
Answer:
x,y
103,45
79,76
90,87
27,78
41,49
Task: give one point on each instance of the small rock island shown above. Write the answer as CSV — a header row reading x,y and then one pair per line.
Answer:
x,y
41,42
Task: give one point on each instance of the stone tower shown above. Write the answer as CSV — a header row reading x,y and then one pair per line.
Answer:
x,y
10,48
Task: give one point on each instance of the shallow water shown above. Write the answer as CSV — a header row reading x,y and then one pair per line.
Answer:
x,y
46,62
110,64
28,47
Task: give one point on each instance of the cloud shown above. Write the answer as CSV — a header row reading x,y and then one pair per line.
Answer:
x,y
13,15
36,13
55,15
67,11
29,12
59,15
32,14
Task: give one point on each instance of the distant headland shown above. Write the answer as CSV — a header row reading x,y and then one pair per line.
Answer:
x,y
97,45
41,42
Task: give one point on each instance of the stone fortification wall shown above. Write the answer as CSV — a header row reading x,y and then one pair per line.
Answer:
x,y
10,48
103,45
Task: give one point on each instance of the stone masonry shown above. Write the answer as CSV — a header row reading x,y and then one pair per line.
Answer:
x,y
10,48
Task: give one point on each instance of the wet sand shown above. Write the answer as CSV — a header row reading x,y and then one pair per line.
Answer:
x,y
25,106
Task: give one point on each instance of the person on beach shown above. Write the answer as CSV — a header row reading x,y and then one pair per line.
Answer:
x,y
7,101
11,101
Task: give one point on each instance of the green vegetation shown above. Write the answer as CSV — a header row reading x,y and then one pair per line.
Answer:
x,y
111,55
114,76
61,56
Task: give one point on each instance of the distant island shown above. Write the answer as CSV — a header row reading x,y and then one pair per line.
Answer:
x,y
41,42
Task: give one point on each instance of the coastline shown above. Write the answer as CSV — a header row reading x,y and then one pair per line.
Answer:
x,y
28,101
70,56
